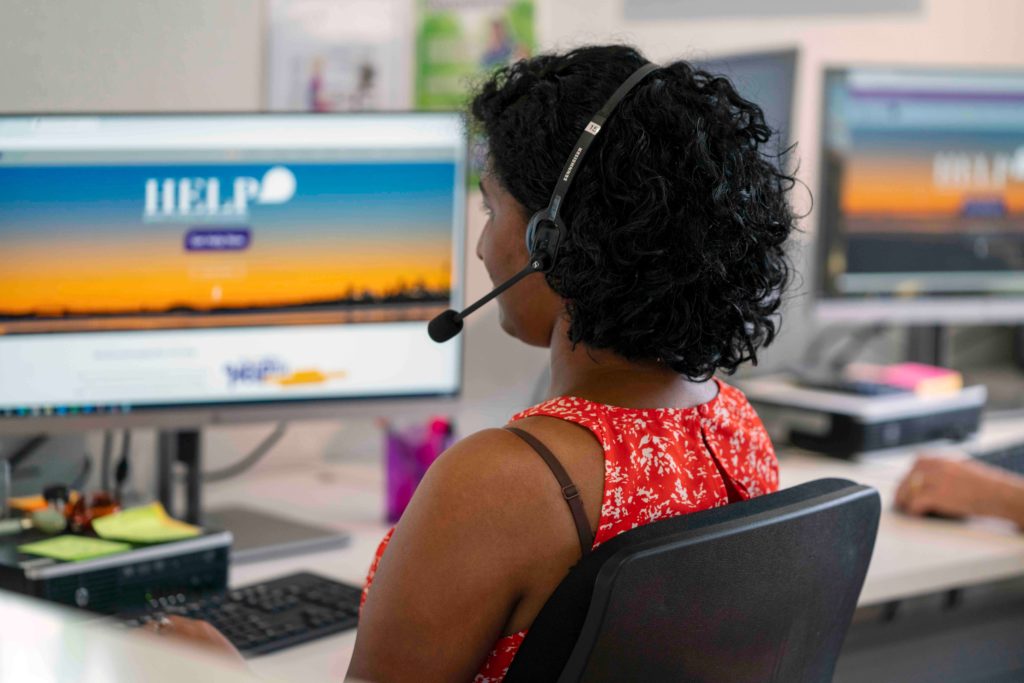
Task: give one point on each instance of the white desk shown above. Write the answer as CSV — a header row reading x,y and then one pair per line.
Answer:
x,y
44,642
912,556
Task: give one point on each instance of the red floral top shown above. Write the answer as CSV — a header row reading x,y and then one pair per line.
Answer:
x,y
659,463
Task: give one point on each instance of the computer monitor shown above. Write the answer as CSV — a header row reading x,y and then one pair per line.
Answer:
x,y
766,78
921,205
184,269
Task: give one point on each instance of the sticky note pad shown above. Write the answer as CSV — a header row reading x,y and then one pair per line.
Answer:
x,y
146,524
924,380
72,548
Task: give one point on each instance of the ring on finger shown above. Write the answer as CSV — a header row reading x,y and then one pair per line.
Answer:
x,y
162,623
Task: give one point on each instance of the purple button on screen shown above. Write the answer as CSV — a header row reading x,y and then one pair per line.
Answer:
x,y
217,239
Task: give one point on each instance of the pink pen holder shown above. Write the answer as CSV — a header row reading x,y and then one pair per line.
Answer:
x,y
409,453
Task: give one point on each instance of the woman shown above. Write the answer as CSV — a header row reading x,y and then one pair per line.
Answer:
x,y
672,269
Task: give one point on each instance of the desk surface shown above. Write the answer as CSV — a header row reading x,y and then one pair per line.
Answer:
x,y
44,642
912,556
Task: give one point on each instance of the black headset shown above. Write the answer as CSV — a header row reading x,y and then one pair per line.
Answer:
x,y
545,230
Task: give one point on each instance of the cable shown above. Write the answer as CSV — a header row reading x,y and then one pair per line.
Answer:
x,y
78,484
855,345
26,450
121,474
851,344
815,347
254,456
105,455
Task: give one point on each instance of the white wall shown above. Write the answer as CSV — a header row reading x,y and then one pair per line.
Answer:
x,y
130,55
148,55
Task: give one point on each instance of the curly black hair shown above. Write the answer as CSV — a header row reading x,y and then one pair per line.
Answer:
x,y
677,218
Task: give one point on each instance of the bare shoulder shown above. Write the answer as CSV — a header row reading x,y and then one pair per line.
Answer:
x,y
492,484
482,514
491,475
503,464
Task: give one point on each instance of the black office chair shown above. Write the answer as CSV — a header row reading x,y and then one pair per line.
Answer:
x,y
761,590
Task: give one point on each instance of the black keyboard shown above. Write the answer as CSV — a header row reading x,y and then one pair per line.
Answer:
x,y
269,616
1008,458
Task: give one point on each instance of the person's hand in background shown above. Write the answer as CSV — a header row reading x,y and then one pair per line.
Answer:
x,y
959,488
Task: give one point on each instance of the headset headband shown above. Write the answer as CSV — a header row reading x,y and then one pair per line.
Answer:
x,y
572,164
543,244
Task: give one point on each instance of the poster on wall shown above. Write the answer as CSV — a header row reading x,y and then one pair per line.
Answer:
x,y
339,55
458,39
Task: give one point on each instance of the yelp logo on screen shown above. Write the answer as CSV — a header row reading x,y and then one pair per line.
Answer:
x,y
254,371
272,370
197,198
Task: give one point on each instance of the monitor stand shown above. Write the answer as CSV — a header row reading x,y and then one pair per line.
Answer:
x,y
258,535
928,344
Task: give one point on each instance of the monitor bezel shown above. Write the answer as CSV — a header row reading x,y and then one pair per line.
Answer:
x,y
197,415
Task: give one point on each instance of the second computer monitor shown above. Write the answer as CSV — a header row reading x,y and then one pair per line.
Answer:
x,y
921,206
768,79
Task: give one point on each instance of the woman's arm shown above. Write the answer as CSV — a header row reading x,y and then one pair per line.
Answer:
x,y
456,566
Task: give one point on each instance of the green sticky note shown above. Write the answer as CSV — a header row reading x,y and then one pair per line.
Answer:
x,y
146,524
73,548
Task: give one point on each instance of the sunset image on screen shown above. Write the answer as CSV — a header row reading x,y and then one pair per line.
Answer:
x,y
163,247
942,179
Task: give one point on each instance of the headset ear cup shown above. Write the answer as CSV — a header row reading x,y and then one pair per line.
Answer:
x,y
531,231
547,238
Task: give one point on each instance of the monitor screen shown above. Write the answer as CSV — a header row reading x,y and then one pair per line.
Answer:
x,y
168,262
765,78
922,195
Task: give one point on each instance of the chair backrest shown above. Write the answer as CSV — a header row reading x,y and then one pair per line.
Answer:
x,y
760,590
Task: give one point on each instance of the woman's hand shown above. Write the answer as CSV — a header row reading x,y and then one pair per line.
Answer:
x,y
197,633
959,488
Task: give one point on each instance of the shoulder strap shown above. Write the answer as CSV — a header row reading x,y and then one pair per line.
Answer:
x,y
569,490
